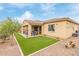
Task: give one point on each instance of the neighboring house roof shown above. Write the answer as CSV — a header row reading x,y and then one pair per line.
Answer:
x,y
38,22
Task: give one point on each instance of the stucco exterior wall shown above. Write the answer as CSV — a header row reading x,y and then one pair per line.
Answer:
x,y
29,28
71,28
63,29
59,29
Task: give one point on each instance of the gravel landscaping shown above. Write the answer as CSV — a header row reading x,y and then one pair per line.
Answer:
x,y
9,48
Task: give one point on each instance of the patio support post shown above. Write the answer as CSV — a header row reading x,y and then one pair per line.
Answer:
x,y
29,30
38,29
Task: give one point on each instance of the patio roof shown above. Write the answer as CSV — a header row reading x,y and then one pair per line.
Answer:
x,y
34,22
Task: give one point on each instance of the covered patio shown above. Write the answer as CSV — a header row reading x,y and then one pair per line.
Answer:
x,y
32,28
36,30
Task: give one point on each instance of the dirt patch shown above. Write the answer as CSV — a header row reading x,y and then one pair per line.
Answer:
x,y
9,48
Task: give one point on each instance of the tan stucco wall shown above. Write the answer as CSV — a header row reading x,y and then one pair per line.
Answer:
x,y
29,28
59,29
71,28
63,29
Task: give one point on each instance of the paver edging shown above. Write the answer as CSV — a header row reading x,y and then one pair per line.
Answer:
x,y
43,48
18,45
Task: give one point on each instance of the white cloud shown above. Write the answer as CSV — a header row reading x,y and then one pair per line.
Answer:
x,y
27,15
74,12
75,18
20,5
48,8
74,9
1,8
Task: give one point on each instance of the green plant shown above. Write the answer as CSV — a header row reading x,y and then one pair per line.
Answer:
x,y
8,27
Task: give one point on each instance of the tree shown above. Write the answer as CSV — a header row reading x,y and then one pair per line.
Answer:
x,y
8,27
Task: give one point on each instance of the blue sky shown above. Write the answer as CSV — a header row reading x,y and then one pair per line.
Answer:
x,y
39,11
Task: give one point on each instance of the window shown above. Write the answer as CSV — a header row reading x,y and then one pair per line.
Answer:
x,y
51,27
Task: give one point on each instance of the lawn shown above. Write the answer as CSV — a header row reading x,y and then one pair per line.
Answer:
x,y
33,44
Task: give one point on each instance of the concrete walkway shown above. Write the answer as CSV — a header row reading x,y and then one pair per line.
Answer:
x,y
60,50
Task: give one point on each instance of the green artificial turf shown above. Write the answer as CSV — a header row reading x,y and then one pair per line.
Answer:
x,y
33,44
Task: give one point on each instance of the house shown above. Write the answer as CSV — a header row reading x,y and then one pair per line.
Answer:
x,y
57,27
